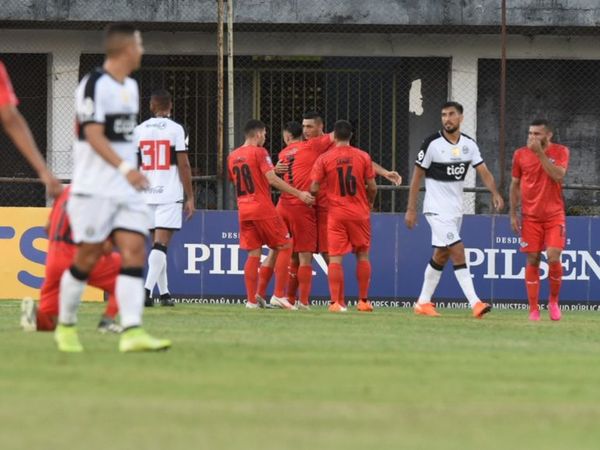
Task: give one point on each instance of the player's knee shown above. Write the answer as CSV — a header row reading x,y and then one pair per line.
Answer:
x,y
533,259
553,254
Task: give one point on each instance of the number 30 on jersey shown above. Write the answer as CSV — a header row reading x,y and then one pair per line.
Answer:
x,y
156,155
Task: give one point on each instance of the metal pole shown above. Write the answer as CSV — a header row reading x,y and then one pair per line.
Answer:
x,y
220,111
502,127
230,97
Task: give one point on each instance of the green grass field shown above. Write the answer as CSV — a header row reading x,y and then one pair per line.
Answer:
x,y
238,379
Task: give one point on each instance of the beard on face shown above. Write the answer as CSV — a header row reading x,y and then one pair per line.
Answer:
x,y
450,128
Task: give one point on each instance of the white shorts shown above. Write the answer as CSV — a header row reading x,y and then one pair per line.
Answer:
x,y
445,230
167,216
94,218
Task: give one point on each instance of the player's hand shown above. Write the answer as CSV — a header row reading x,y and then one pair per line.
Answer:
x,y
394,177
189,207
410,218
53,186
281,167
107,247
498,202
515,224
535,145
307,198
137,180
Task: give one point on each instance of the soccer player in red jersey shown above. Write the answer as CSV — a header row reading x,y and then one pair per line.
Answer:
x,y
17,129
61,252
251,171
348,173
537,175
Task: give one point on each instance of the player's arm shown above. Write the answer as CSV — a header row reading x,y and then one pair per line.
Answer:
x,y
410,218
185,175
282,186
94,134
488,180
557,173
514,199
314,188
390,175
17,129
371,191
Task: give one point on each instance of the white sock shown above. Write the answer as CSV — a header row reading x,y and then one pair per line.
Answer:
x,y
130,297
163,284
69,298
433,273
156,261
463,275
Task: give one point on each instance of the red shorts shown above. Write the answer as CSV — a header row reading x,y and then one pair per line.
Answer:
x,y
301,221
538,236
348,235
322,246
104,276
270,232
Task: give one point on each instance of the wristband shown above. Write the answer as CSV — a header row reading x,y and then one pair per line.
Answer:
x,y
125,168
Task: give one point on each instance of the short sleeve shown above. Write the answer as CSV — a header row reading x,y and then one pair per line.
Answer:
x,y
562,158
476,160
90,107
516,165
424,156
229,172
369,171
181,140
7,95
264,161
318,171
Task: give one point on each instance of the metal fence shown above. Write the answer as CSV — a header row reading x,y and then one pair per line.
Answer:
x,y
388,80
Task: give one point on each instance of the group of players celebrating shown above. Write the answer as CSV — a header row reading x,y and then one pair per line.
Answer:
x,y
129,181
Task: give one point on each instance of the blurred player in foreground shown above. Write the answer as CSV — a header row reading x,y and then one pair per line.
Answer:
x,y
444,159
538,172
252,173
350,179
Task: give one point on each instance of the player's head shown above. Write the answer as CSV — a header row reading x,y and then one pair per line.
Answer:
x,y
256,130
342,131
292,132
452,116
122,41
540,129
312,124
161,102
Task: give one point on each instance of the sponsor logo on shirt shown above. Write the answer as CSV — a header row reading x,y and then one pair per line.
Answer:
x,y
456,171
421,155
159,125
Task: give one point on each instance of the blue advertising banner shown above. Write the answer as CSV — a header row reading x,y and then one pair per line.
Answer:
x,y
206,263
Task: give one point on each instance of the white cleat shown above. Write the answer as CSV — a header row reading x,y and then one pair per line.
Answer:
x,y
262,303
294,307
28,314
303,307
252,305
280,302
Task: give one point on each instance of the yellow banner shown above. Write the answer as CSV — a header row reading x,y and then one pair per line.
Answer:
x,y
23,247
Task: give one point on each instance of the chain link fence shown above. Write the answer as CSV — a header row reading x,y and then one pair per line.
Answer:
x,y
389,81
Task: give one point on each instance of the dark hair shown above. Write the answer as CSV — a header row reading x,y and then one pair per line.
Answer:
x,y
541,123
116,29
455,105
252,126
312,115
294,128
342,130
162,99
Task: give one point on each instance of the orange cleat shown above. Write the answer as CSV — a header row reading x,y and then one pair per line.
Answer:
x,y
426,309
336,307
480,309
364,306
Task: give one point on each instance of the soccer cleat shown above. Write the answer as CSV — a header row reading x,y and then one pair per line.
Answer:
x,y
137,340
148,301
426,309
280,302
294,307
336,307
364,306
262,303
554,311
108,325
303,307
534,315
480,309
166,300
67,339
250,305
28,314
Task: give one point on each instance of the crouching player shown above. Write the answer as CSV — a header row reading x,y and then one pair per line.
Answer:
x,y
61,251
348,173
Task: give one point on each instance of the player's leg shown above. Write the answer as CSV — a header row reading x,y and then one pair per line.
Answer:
x,y
104,277
162,239
338,242
293,282
555,243
305,233
250,240
532,243
304,279
275,234
359,233
265,273
289,215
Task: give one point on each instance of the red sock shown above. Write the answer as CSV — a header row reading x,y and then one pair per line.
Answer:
x,y
251,277
532,283
336,280
111,308
282,271
293,283
264,277
304,283
45,321
555,277
363,275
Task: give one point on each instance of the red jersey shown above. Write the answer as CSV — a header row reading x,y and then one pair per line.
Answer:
x,y
301,157
346,170
247,167
60,226
541,196
7,95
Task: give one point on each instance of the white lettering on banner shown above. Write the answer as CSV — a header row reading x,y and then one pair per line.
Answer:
x,y
217,269
193,258
508,266
570,269
321,263
491,263
234,266
588,260
479,258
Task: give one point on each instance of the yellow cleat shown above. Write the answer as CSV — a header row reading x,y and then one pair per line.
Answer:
x,y
137,340
67,339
